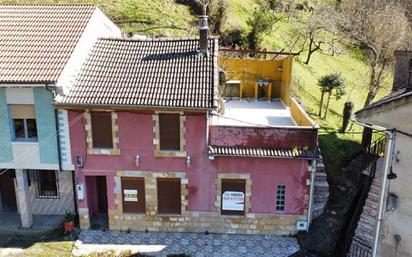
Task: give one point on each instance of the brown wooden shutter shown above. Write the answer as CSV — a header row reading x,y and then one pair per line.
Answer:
x,y
169,130
129,203
168,196
237,185
102,129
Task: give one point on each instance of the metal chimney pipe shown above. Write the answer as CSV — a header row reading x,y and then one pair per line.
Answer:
x,y
204,34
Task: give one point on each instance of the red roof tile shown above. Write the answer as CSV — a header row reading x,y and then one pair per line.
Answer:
x,y
156,73
36,41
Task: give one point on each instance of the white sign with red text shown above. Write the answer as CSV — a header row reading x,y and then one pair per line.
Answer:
x,y
233,201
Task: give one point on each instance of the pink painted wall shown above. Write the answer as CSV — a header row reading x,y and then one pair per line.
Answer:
x,y
282,138
136,137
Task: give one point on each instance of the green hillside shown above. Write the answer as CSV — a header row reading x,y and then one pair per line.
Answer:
x,y
168,18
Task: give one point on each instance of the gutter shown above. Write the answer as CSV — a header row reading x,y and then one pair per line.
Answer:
x,y
128,107
387,165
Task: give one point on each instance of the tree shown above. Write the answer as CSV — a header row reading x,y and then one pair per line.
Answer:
x,y
329,84
218,13
347,113
320,29
379,27
262,21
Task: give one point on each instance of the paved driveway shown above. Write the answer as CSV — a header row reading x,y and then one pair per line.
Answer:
x,y
198,245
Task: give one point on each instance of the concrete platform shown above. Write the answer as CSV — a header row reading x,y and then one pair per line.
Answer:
x,y
11,220
255,113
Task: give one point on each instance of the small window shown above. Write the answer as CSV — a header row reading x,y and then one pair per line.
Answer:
x,y
23,122
133,193
46,183
168,196
102,130
169,131
280,198
233,197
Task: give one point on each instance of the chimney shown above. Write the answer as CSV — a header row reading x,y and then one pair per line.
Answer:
x,y
402,78
204,34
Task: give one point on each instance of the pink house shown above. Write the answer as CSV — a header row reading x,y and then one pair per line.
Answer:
x,y
161,141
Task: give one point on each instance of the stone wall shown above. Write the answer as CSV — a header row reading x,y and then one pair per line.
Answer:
x,y
50,206
193,221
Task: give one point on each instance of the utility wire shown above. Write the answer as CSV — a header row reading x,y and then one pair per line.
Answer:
x,y
42,143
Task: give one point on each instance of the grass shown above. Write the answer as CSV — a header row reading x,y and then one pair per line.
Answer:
x,y
33,243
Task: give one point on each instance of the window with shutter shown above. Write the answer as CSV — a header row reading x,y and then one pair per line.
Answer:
x,y
133,193
23,122
169,131
168,196
102,129
233,197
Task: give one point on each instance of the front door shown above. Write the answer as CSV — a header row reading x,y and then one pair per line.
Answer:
x,y
7,191
101,188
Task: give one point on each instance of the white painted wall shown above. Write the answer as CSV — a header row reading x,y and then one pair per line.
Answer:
x,y
399,221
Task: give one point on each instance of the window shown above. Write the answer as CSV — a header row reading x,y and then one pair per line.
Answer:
x,y
133,193
102,129
169,131
168,196
280,198
233,197
23,122
46,183
410,73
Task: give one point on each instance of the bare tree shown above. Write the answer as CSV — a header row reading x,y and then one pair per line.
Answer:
x,y
379,27
320,29
205,4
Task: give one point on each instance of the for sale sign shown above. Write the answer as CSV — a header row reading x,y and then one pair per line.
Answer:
x,y
130,195
233,201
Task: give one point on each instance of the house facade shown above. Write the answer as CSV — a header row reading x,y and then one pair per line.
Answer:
x,y
41,50
394,113
163,141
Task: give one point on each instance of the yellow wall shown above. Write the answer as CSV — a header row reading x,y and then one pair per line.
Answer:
x,y
250,70
299,115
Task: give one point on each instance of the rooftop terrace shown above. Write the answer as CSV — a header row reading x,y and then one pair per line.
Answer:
x,y
252,113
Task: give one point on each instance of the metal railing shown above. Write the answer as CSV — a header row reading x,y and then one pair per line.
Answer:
x,y
359,249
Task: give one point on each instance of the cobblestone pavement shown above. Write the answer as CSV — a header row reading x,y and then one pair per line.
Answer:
x,y
198,245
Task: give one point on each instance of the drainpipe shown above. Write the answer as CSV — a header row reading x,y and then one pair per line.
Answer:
x,y
388,162
57,127
312,189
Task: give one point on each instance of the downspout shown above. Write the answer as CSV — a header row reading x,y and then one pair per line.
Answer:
x,y
387,165
311,192
57,128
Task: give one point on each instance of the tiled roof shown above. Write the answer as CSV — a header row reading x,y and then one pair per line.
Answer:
x,y
36,41
263,152
147,72
393,96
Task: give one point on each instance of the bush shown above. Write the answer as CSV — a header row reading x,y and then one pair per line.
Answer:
x,y
232,38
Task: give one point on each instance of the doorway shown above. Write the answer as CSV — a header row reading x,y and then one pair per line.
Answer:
x,y
97,201
7,191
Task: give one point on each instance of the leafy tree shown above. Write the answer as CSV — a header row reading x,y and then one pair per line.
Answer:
x,y
329,84
218,15
262,21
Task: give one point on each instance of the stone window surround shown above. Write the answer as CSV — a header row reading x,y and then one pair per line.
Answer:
x,y
88,127
248,192
156,141
150,181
